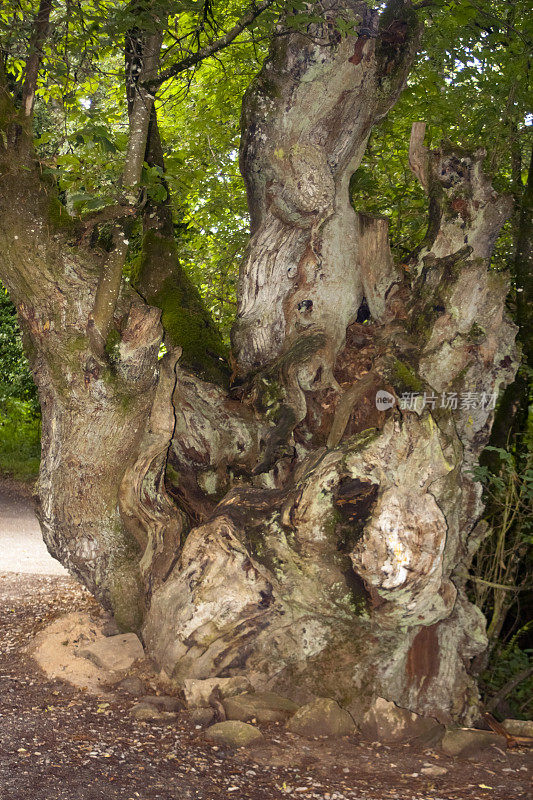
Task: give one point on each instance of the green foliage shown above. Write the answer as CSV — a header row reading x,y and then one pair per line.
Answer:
x,y
209,198
15,378
508,661
502,574
19,407
471,85
20,446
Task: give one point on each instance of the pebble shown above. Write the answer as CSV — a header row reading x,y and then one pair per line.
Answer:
x,y
434,771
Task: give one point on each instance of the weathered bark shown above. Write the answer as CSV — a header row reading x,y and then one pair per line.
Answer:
x,y
306,121
339,569
94,409
93,344
292,528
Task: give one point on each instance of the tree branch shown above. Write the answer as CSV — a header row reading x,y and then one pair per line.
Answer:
x,y
214,47
493,585
141,112
508,687
110,280
418,154
33,63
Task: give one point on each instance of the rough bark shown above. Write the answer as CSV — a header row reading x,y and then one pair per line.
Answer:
x,y
339,569
94,409
289,529
305,124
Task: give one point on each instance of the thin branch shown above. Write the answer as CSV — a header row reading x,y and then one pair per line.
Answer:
x,y
493,585
108,288
418,154
508,687
33,63
214,47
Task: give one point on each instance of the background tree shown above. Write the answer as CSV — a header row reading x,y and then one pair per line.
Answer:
x,y
288,528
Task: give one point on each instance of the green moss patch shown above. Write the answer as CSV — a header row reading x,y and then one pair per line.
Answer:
x,y
186,322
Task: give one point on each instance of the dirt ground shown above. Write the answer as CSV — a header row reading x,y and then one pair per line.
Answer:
x,y
58,742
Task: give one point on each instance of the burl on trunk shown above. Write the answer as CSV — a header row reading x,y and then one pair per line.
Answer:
x,y
290,528
339,568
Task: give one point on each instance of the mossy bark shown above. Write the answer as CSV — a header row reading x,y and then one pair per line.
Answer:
x,y
94,410
307,527
163,283
337,564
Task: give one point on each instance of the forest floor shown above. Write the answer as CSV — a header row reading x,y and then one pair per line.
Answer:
x,y
57,742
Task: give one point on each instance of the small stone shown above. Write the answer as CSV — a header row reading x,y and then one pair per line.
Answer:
x,y
321,717
114,653
202,716
387,722
519,727
145,712
131,685
261,706
469,742
162,702
110,628
434,771
233,733
198,691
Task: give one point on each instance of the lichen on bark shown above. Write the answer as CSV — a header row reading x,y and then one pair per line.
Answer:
x,y
292,579
290,528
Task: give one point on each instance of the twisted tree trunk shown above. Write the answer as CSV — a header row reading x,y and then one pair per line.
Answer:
x,y
339,569
302,527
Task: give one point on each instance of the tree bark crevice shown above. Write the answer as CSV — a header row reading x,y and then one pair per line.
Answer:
x,y
310,527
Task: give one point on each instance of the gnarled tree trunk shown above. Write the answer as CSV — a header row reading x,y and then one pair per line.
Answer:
x,y
294,528
339,569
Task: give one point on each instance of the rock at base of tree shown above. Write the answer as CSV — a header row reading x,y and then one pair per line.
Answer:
x,y
434,771
114,653
321,717
198,693
470,742
202,716
146,712
387,722
233,733
162,702
519,727
131,685
259,706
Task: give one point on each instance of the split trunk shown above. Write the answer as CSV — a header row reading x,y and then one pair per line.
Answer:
x,y
293,527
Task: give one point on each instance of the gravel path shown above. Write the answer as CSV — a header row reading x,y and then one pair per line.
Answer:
x,y
21,545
